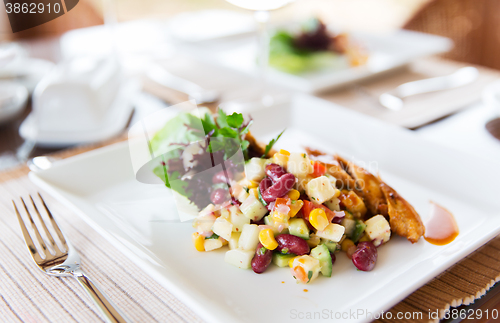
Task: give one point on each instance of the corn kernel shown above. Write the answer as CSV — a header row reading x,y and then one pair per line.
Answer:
x,y
295,207
198,241
284,152
337,193
293,195
365,238
346,244
313,241
290,262
253,184
318,219
266,237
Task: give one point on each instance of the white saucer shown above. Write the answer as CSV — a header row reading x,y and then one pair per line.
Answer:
x,y
13,98
114,123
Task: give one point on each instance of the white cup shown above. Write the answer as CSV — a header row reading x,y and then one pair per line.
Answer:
x,y
76,95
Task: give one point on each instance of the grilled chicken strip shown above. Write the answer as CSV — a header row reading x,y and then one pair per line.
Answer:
x,y
404,220
368,186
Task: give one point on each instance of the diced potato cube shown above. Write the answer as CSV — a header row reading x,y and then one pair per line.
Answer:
x,y
212,244
253,209
233,242
320,189
333,204
249,237
238,219
242,196
209,209
255,169
239,258
333,232
378,229
310,266
223,228
299,165
203,224
280,159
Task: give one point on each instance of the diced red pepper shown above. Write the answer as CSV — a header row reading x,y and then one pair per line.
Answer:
x,y
319,169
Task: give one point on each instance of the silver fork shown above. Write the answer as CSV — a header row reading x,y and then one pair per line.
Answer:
x,y
63,262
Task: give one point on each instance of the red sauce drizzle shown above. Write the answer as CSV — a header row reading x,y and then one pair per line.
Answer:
x,y
441,228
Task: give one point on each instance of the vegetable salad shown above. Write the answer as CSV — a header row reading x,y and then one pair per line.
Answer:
x,y
288,211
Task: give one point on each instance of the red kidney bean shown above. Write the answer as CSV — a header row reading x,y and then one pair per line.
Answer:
x,y
265,184
262,259
333,258
279,189
275,171
219,196
365,256
338,218
288,243
234,201
220,177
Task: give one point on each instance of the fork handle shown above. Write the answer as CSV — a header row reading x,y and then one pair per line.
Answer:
x,y
109,311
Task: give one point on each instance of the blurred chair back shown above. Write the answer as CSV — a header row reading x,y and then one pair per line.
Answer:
x,y
474,26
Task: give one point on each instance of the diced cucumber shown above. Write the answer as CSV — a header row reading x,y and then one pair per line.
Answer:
x,y
299,228
322,253
332,246
253,209
358,231
281,260
349,225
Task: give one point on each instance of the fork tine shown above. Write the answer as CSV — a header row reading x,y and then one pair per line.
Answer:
x,y
37,233
54,223
47,232
31,246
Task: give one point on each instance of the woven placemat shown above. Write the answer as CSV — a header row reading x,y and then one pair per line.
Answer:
x,y
28,295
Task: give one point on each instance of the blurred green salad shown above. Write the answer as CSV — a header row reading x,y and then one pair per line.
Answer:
x,y
193,142
313,48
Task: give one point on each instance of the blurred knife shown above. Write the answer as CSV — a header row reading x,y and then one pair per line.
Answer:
x,y
393,100
160,75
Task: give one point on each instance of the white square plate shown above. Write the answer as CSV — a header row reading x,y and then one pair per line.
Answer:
x,y
387,51
139,219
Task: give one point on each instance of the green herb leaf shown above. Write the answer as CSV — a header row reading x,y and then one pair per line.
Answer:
x,y
244,144
235,120
309,275
213,236
270,145
222,119
246,129
228,132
